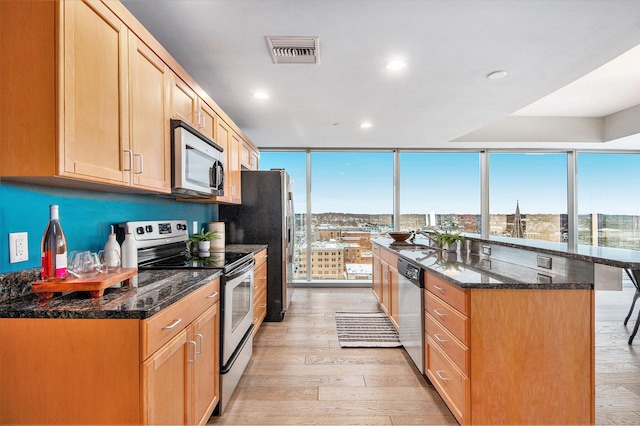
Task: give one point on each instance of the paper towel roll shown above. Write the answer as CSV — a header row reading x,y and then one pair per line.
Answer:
x,y
218,228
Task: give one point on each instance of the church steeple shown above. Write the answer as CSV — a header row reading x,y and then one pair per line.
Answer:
x,y
518,228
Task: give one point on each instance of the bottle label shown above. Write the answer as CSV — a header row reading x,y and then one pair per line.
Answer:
x,y
61,265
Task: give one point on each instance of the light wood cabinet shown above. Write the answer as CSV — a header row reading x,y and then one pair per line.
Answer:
x,y
386,282
150,146
259,290
505,356
75,60
229,140
162,370
187,106
250,156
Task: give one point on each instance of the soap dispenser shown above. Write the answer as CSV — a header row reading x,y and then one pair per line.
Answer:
x,y
112,253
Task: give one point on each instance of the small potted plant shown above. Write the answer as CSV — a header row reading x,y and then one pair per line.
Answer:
x,y
449,242
202,241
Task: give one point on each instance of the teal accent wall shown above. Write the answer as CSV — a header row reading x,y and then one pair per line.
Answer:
x,y
85,216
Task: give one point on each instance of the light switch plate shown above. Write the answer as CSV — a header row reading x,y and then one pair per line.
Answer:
x,y
18,247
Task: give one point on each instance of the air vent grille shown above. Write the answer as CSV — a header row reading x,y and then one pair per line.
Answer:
x,y
294,50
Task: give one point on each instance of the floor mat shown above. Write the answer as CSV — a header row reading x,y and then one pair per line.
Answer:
x,y
366,330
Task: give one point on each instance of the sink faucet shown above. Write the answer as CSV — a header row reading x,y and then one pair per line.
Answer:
x,y
432,235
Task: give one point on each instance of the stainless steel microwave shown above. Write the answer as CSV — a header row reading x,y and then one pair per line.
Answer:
x,y
197,163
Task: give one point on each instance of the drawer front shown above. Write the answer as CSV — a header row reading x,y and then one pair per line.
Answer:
x,y
163,326
454,296
389,257
260,258
259,307
376,249
448,343
451,384
259,279
448,317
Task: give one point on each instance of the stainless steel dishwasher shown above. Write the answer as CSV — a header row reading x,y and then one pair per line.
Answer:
x,y
411,313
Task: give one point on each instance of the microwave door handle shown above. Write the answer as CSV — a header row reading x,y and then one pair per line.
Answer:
x,y
219,174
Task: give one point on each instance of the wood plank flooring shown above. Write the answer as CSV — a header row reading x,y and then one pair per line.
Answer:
x,y
299,375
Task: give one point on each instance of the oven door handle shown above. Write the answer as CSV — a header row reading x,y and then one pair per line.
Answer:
x,y
243,269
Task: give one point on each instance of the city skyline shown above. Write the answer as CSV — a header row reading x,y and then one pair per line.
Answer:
x,y
362,182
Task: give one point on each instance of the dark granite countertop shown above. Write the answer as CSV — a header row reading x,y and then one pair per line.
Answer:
x,y
620,258
155,291
468,270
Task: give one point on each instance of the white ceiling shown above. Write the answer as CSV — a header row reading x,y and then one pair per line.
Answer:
x,y
566,85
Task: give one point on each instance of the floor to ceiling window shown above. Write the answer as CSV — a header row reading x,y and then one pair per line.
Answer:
x,y
440,190
528,195
608,205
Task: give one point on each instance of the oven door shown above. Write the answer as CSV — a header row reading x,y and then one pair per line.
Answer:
x,y
197,161
238,308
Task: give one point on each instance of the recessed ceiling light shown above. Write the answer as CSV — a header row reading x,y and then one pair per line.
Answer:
x,y
366,125
497,75
396,64
260,95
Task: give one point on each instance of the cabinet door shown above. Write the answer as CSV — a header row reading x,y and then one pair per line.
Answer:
x,y
165,384
385,290
394,307
184,102
207,120
95,87
377,278
234,168
206,367
150,133
223,134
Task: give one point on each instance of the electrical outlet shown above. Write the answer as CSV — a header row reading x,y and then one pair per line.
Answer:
x,y
486,250
543,262
18,247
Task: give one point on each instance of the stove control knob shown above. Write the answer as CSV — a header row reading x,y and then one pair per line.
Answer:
x,y
149,228
139,230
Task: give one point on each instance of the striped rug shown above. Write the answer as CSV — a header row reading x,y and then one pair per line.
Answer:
x,y
366,330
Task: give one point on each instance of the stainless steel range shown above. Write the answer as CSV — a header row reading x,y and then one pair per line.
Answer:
x,y
163,245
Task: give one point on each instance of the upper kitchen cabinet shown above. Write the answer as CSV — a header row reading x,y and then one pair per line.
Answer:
x,y
231,142
82,99
187,106
149,80
250,156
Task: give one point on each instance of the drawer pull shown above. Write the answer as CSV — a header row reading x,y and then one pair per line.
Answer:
x,y
444,379
439,339
263,306
191,342
212,295
173,324
440,289
438,313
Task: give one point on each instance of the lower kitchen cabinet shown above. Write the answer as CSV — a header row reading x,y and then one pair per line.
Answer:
x,y
259,290
161,370
511,356
180,380
385,282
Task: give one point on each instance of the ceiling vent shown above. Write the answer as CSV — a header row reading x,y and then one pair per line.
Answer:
x,y
294,50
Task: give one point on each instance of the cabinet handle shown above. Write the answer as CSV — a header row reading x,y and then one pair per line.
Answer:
x,y
263,306
141,164
173,324
191,342
201,338
438,313
440,289
128,151
444,379
439,339
212,295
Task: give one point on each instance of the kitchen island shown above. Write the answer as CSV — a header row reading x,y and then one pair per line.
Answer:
x,y
506,343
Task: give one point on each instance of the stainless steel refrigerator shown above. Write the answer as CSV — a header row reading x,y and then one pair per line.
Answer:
x,y
266,217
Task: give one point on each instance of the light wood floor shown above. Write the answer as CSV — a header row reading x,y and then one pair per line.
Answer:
x,y
299,375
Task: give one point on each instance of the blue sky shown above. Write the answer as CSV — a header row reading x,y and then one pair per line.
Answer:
x,y
362,182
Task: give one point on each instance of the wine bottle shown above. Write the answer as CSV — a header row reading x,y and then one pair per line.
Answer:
x,y
54,249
